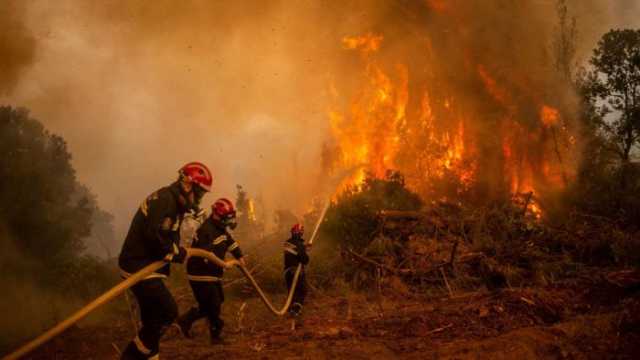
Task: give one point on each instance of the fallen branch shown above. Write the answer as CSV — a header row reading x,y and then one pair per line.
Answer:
x,y
446,282
453,253
466,258
241,314
440,329
377,264
400,214
526,203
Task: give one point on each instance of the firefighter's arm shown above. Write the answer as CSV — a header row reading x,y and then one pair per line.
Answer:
x,y
302,254
203,237
160,212
234,248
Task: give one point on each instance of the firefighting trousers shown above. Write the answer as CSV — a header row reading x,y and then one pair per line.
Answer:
x,y
158,310
210,296
300,292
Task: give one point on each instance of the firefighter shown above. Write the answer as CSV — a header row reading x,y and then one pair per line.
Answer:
x,y
205,277
153,235
295,253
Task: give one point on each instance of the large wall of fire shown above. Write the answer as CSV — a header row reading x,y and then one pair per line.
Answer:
x,y
472,106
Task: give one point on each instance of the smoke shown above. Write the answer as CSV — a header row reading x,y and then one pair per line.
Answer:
x,y
17,45
22,304
138,88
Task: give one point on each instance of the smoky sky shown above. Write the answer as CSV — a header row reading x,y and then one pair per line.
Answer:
x,y
17,45
138,88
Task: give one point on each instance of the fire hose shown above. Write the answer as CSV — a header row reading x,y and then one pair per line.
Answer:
x,y
294,284
141,275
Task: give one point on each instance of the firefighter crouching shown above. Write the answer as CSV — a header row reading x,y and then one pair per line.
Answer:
x,y
295,253
205,277
153,235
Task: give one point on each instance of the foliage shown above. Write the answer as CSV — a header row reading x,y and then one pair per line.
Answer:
x,y
44,210
352,219
101,242
608,180
613,88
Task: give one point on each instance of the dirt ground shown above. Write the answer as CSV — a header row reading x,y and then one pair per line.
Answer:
x,y
581,319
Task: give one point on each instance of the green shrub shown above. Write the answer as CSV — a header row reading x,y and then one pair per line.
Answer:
x,y
352,219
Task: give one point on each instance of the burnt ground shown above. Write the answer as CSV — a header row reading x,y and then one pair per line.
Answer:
x,y
585,318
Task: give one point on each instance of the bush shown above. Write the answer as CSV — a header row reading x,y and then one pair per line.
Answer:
x,y
352,219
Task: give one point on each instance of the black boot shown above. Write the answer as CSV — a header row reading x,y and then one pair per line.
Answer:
x,y
216,337
215,331
131,352
295,309
186,320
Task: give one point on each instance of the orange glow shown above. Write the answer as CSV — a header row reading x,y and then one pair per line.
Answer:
x,y
435,141
366,133
438,5
549,116
492,87
372,129
366,43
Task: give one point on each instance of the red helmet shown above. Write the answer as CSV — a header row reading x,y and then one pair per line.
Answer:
x,y
297,229
223,208
198,173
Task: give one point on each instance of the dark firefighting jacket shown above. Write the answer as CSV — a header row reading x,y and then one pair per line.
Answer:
x,y
213,238
294,253
154,232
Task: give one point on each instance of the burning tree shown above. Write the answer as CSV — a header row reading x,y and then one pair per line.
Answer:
x,y
478,123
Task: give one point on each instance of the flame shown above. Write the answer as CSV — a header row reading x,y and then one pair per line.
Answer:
x,y
251,212
367,132
527,167
549,115
371,131
492,87
366,43
436,141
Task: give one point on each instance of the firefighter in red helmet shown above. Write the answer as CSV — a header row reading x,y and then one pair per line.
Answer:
x,y
295,253
153,235
205,277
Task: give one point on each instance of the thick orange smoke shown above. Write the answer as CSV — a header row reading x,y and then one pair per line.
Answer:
x,y
137,88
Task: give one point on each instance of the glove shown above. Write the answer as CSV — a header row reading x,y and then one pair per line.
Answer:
x,y
198,215
179,257
301,248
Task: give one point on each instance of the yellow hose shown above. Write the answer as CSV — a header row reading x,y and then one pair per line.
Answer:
x,y
296,276
103,299
264,298
141,275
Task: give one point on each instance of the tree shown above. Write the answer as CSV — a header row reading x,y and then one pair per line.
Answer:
x,y
612,87
101,242
564,42
45,211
